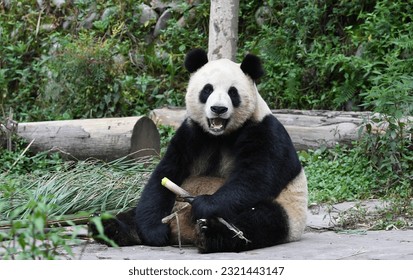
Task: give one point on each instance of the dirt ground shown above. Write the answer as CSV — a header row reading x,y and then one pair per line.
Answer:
x,y
321,241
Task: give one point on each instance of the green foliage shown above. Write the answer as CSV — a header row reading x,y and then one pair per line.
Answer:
x,y
338,175
31,238
12,163
57,64
166,133
84,75
318,54
334,54
347,174
387,143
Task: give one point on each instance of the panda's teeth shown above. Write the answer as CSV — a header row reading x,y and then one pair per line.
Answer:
x,y
217,123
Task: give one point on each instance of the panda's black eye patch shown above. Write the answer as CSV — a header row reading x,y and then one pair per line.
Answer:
x,y
234,95
205,93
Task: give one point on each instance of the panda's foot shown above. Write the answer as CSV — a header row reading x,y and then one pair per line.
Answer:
x,y
212,236
115,232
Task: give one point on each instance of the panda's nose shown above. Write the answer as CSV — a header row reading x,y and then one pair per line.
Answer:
x,y
219,110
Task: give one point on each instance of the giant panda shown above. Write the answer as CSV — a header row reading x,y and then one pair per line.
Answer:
x,y
236,159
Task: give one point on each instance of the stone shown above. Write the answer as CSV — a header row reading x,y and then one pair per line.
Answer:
x,y
108,12
262,15
162,22
146,14
88,22
59,3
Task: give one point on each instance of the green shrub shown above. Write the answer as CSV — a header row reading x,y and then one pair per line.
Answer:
x,y
337,175
83,79
347,174
331,54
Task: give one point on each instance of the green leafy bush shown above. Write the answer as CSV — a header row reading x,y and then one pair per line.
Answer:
x,y
347,174
83,80
57,64
338,175
333,54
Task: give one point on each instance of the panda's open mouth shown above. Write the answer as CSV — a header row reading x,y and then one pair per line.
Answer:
x,y
217,125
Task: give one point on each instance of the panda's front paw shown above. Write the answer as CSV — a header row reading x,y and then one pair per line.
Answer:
x,y
204,207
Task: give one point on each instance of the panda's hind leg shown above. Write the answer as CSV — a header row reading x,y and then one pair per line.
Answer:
x,y
119,229
263,225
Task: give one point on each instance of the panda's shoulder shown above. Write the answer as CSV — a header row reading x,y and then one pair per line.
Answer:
x,y
268,130
269,123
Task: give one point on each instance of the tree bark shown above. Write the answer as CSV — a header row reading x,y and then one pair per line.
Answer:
x,y
307,129
106,139
223,29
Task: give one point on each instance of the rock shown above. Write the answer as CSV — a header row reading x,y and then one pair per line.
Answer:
x,y
68,22
146,14
88,22
119,61
108,12
59,3
160,5
162,22
48,27
182,22
262,15
6,4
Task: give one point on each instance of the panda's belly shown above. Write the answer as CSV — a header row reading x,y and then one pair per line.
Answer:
x,y
214,163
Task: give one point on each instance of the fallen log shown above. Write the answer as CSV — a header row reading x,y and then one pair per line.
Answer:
x,y
307,129
106,139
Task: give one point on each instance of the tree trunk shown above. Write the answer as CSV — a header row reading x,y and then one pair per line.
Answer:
x,y
307,129
106,139
223,29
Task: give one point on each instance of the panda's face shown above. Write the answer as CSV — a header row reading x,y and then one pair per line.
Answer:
x,y
220,97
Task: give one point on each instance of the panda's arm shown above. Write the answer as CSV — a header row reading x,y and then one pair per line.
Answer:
x,y
265,162
156,201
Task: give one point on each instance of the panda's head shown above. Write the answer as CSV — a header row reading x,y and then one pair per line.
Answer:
x,y
221,94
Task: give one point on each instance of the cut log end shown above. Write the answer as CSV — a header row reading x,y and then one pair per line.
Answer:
x,y
145,140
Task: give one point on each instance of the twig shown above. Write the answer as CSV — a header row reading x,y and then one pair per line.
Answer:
x,y
38,22
179,233
168,218
20,156
189,198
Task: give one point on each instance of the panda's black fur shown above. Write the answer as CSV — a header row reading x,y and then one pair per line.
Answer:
x,y
256,163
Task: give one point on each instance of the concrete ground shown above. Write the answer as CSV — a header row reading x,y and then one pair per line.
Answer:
x,y
319,242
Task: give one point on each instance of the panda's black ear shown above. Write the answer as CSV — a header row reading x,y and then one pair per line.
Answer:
x,y
251,65
195,59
